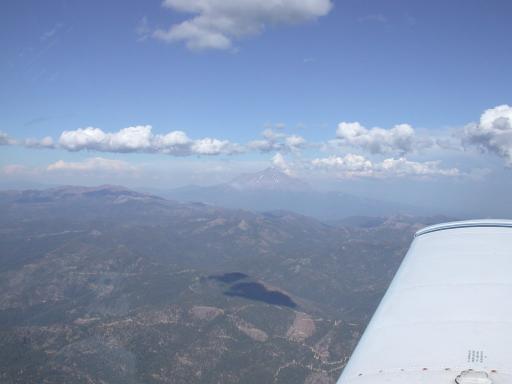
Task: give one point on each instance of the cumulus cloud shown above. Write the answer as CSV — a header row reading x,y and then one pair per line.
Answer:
x,y
358,166
141,139
277,141
94,164
493,133
129,139
215,24
400,139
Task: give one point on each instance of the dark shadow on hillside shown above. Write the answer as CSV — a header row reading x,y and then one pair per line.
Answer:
x,y
258,292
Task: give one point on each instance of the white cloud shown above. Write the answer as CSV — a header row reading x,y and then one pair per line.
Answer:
x,y
493,133
141,139
129,139
279,162
94,164
217,23
84,138
173,143
358,166
400,139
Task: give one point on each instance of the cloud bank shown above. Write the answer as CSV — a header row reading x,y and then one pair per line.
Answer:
x,y
365,152
141,139
94,164
358,166
216,24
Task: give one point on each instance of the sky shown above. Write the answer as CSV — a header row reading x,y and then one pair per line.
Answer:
x,y
400,100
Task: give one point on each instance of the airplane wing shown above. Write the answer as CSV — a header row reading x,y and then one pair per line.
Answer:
x,y
447,316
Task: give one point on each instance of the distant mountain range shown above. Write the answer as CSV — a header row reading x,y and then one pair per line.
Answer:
x,y
272,189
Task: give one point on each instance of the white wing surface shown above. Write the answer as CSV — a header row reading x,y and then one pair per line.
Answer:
x,y
447,316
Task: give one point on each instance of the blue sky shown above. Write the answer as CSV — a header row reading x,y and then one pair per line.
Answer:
x,y
436,66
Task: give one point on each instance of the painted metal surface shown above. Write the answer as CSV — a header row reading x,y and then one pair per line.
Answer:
x,y
448,310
